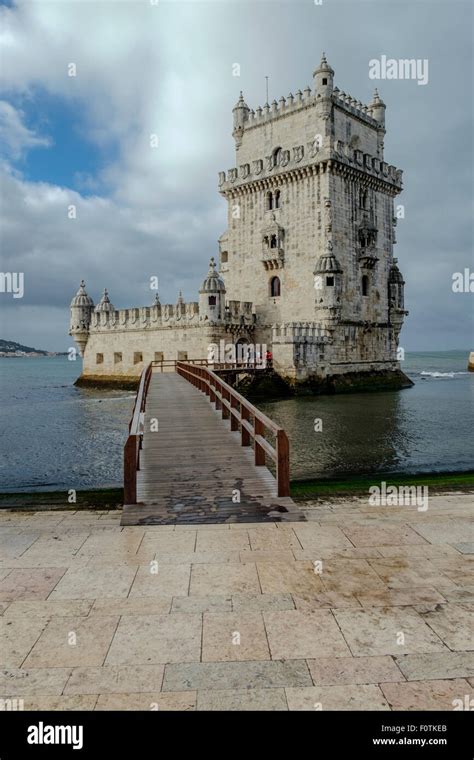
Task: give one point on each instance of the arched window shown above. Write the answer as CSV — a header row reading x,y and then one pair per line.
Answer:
x,y
365,285
363,199
269,203
276,157
273,241
212,300
277,199
275,287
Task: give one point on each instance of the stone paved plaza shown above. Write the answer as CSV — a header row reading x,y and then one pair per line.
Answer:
x,y
360,608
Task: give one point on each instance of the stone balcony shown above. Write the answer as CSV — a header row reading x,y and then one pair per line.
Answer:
x,y
273,258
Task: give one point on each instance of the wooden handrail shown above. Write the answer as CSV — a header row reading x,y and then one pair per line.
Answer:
x,y
131,452
244,416
172,363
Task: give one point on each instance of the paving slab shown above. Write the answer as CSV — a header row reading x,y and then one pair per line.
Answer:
x,y
115,679
233,637
333,671
30,584
95,582
427,695
454,624
153,701
318,634
17,637
242,700
152,639
49,608
419,667
158,579
224,579
320,698
236,675
69,642
25,681
385,630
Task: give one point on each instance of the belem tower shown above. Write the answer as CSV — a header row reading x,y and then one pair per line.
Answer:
x,y
305,267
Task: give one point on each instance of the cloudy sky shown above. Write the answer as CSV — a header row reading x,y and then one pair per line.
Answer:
x,y
166,68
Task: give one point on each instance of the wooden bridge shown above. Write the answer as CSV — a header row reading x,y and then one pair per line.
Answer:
x,y
197,450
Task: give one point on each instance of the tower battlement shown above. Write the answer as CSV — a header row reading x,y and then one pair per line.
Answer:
x,y
308,130
303,100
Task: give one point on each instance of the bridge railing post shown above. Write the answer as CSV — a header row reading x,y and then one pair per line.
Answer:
x,y
259,429
225,410
219,404
283,463
130,470
234,423
245,435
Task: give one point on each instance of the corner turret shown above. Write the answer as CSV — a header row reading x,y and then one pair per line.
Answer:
x,y
82,306
328,286
212,296
377,108
323,78
241,113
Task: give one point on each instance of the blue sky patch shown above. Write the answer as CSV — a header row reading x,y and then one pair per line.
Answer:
x,y
72,159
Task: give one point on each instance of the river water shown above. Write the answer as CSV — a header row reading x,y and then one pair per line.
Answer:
x,y
54,435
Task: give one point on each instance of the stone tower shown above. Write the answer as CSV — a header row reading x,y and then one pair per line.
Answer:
x,y
311,230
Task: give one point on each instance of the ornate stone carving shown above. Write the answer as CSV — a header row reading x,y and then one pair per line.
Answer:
x,y
298,153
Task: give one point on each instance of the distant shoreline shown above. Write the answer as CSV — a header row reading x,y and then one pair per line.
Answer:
x,y
31,356
301,490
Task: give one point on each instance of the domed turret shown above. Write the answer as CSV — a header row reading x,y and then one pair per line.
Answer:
x,y
81,298
212,296
328,286
323,78
396,288
328,264
82,306
377,108
104,303
241,113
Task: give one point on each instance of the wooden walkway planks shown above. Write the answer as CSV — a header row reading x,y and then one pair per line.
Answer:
x,y
191,466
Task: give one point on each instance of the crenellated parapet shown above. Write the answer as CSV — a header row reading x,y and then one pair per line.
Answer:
x,y
323,95
146,317
168,315
332,155
307,99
